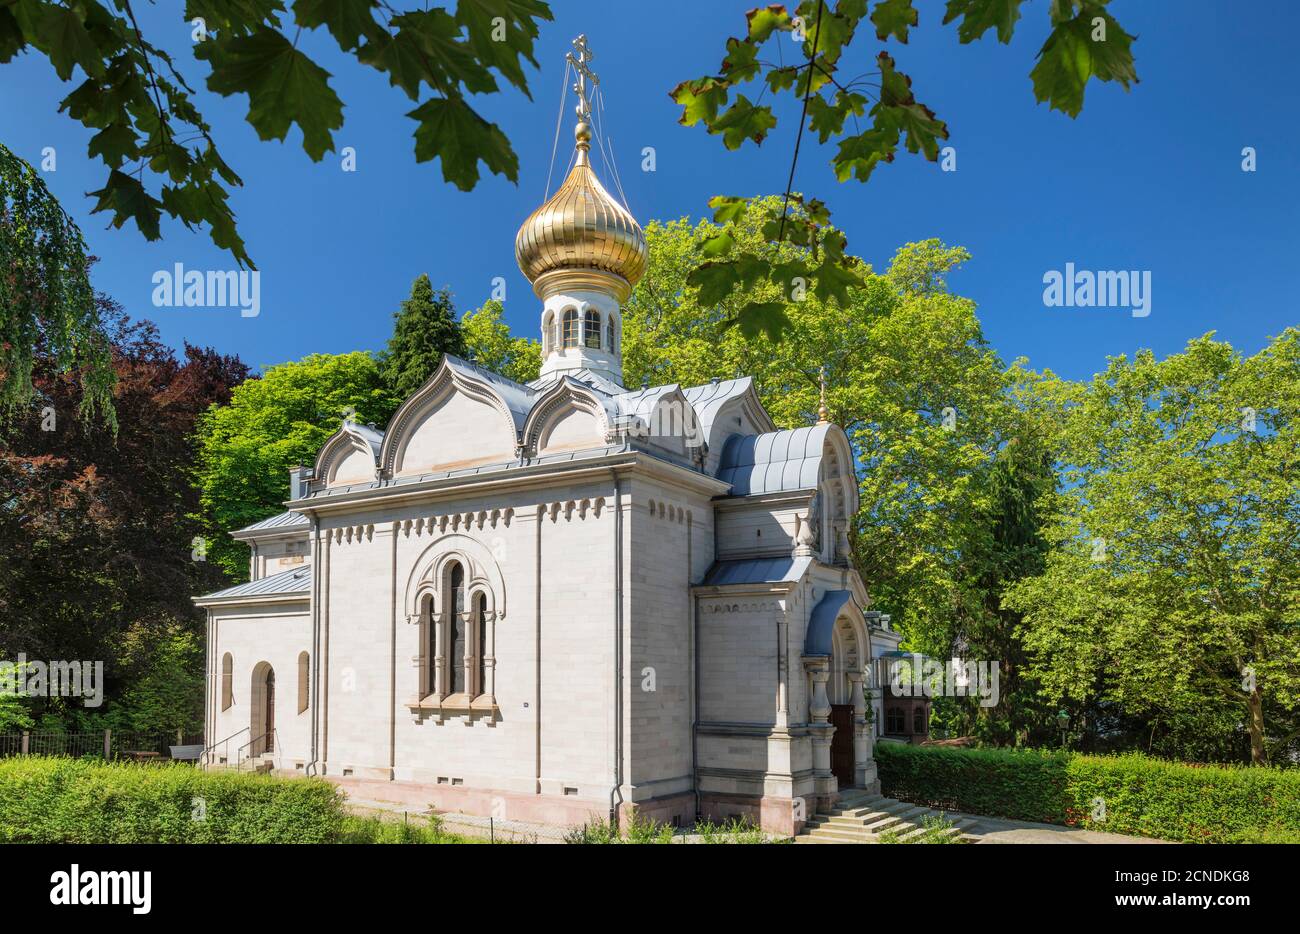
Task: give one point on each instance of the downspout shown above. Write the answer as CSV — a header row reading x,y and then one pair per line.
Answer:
x,y
392,669
537,661
209,729
315,642
694,701
615,793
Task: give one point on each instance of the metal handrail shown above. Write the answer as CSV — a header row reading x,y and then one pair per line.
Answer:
x,y
275,746
208,750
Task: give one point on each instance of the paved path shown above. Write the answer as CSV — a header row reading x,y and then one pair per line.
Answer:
x,y
1004,830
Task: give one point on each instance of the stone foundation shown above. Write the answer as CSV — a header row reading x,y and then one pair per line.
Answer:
x,y
563,811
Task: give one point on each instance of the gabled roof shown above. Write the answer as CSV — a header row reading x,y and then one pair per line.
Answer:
x,y
292,583
775,462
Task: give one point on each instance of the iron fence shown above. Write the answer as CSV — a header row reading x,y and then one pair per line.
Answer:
x,y
98,744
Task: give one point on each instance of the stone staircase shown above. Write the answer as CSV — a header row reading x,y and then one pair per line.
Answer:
x,y
859,816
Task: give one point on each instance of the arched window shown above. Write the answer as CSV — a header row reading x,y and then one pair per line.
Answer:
x,y
429,647
918,719
480,615
456,643
571,328
227,681
611,337
591,329
304,680
548,333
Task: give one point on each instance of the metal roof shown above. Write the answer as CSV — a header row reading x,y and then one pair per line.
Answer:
x,y
821,624
775,462
756,571
372,436
588,377
708,400
562,456
293,581
280,523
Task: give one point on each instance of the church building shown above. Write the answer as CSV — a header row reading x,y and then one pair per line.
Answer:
x,y
566,600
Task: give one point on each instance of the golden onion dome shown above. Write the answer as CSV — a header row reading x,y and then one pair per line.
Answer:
x,y
582,227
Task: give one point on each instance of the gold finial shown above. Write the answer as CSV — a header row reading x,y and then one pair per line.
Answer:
x,y
582,68
581,234
823,413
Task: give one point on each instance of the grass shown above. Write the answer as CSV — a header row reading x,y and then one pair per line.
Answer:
x,y
645,830
369,829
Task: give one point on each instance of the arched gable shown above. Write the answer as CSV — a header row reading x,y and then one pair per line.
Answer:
x,y
348,456
838,466
459,418
568,417
663,417
482,575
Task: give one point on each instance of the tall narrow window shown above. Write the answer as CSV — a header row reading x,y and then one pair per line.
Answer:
x,y
304,680
591,329
548,333
571,328
611,339
480,614
227,681
430,647
456,644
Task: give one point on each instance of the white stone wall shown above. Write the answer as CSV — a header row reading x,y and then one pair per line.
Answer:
x,y
273,634
671,547
373,654
275,556
757,530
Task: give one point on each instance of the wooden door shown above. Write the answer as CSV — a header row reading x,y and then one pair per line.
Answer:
x,y
270,710
842,743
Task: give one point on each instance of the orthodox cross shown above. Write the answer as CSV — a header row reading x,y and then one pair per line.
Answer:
x,y
582,67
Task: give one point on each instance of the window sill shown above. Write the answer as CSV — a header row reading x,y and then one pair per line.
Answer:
x,y
454,703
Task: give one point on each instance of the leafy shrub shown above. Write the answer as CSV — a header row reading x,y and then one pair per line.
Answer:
x,y
1140,795
52,800
934,831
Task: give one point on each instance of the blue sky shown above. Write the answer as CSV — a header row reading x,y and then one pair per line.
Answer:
x,y
1148,180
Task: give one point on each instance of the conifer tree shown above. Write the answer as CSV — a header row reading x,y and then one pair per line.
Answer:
x,y
424,328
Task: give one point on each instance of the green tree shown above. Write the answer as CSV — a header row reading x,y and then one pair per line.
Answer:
x,y
160,151
164,692
424,329
489,344
1174,584
926,403
880,107
271,424
98,530
48,310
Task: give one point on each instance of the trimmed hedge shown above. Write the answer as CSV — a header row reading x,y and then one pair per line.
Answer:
x,y
77,801
1150,797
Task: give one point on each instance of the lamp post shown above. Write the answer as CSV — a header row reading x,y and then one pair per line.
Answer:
x,y
1063,721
